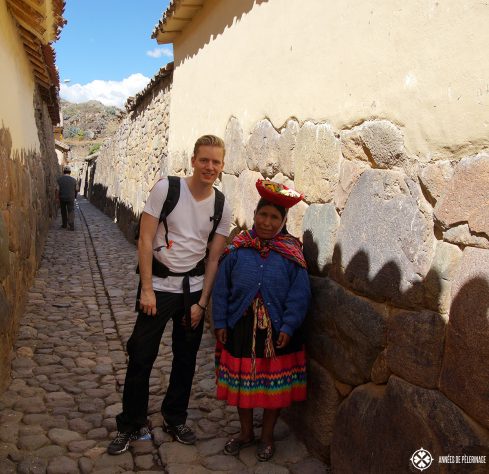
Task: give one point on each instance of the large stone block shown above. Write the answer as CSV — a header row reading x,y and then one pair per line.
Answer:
x,y
467,196
415,346
352,145
287,143
435,178
316,162
235,159
4,312
385,240
319,228
378,429
247,198
295,218
380,370
461,235
19,230
177,162
314,419
350,171
4,248
345,333
464,377
262,149
438,282
5,150
231,190
384,142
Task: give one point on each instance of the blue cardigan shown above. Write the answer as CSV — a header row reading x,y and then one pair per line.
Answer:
x,y
283,284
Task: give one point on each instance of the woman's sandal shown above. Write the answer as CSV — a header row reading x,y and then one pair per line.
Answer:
x,y
265,452
234,445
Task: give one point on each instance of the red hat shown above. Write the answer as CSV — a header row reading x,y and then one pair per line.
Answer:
x,y
278,193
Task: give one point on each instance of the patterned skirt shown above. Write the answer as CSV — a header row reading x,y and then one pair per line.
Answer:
x,y
273,382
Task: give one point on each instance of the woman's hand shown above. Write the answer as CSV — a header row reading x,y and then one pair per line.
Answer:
x,y
196,314
221,335
283,340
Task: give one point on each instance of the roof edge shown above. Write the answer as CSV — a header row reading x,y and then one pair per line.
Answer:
x,y
133,102
175,19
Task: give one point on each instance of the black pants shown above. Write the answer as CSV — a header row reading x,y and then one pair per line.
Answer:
x,y
142,349
67,213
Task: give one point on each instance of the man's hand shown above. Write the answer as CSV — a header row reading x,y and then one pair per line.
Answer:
x,y
283,340
147,302
196,314
221,335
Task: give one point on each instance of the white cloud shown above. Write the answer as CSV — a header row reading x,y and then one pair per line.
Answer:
x,y
160,52
107,92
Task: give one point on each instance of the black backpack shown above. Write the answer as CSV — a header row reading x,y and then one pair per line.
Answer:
x,y
171,201
161,270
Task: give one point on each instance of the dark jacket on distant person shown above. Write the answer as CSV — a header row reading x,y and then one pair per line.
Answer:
x,y
67,188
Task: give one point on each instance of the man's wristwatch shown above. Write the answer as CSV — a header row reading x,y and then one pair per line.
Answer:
x,y
203,308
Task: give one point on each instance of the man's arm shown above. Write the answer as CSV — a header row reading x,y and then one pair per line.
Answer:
x,y
147,231
216,248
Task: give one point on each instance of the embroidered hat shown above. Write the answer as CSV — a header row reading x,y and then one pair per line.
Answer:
x,y
278,193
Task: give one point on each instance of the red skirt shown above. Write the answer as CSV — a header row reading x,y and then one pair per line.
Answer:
x,y
275,383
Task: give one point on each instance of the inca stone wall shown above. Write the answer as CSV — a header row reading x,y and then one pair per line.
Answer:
x,y
118,179
27,204
398,252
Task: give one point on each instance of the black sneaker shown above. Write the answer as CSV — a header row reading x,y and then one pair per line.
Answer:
x,y
121,442
182,433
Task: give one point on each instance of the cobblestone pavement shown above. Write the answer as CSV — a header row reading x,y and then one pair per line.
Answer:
x,y
57,415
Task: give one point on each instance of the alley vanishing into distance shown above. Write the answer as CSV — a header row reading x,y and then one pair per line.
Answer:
x,y
58,414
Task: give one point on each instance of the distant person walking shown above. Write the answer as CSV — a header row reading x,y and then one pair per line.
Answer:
x,y
66,195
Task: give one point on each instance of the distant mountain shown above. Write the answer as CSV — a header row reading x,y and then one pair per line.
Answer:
x,y
87,125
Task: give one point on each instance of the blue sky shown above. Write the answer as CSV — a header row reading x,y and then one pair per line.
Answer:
x,y
106,50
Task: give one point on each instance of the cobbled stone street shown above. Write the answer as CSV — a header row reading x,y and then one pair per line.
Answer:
x,y
58,414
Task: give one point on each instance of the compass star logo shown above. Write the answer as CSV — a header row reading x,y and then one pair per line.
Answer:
x,y
421,459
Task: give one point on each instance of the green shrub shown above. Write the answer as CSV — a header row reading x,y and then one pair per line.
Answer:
x,y
94,148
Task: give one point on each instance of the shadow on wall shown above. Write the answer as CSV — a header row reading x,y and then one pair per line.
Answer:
x,y
386,380
123,215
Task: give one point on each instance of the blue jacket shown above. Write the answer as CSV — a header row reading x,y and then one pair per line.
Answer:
x,y
283,284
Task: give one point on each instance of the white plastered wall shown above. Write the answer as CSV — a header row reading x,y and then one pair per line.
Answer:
x,y
16,86
421,64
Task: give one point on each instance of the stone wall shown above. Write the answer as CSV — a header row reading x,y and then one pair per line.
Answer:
x,y
397,246
27,204
398,251
118,179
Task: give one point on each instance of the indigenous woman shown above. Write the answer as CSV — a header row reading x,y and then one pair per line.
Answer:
x,y
260,298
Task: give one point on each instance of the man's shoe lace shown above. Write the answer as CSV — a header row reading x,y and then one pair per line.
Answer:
x,y
122,437
182,429
121,442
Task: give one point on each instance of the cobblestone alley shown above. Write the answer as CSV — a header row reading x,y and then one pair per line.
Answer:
x,y
57,415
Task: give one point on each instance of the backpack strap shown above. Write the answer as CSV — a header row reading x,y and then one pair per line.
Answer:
x,y
218,208
170,202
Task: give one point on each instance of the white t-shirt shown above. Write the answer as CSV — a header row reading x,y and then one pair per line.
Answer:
x,y
189,226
